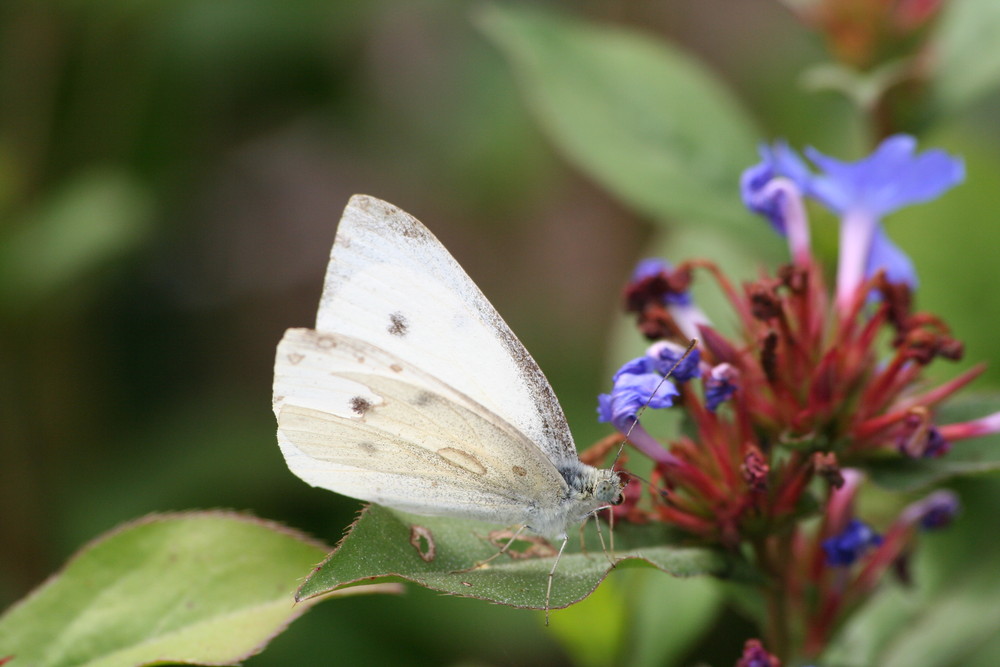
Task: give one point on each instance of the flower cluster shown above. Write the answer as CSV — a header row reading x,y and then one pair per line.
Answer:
x,y
813,387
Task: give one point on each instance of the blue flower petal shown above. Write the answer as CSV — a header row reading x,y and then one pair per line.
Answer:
x,y
856,538
650,267
664,355
720,385
778,160
631,393
884,254
892,177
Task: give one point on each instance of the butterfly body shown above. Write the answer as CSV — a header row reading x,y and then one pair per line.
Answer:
x,y
413,393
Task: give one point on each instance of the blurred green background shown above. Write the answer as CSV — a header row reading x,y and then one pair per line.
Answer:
x,y
171,172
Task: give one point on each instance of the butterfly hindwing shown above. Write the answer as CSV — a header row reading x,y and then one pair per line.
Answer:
x,y
357,420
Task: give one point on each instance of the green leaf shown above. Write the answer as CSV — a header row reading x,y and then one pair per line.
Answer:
x,y
650,124
436,552
967,457
968,48
690,605
199,588
623,621
96,217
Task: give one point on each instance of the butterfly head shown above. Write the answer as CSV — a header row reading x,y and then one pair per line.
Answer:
x,y
608,488
592,486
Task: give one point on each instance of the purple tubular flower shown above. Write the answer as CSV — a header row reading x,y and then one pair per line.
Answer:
x,y
778,161
886,255
863,192
720,385
887,180
665,354
647,268
774,189
755,655
922,440
635,384
632,391
637,366
933,512
856,538
753,183
937,446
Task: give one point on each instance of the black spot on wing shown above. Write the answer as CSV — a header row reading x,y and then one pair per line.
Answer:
x,y
397,324
360,405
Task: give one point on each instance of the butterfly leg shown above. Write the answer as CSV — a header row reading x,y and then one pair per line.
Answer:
x,y
583,543
503,550
600,535
552,572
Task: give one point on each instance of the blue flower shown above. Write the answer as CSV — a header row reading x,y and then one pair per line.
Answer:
x,y
920,439
938,510
934,512
720,385
647,268
756,183
843,549
637,366
755,655
651,267
862,193
664,355
937,445
887,180
634,389
887,256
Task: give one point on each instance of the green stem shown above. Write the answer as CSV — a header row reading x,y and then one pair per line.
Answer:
x,y
773,563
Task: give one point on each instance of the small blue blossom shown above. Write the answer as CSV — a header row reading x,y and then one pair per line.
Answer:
x,y
921,440
632,391
862,193
938,510
755,655
937,446
637,366
892,177
844,549
934,512
665,354
649,267
755,183
720,385
887,256
653,266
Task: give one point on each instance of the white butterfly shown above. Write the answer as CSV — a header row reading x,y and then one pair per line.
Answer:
x,y
413,393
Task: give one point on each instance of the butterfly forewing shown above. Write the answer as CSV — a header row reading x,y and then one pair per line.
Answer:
x,y
391,283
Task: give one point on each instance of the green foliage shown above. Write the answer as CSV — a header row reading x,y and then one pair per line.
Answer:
x,y
969,53
638,617
198,588
95,218
644,120
438,552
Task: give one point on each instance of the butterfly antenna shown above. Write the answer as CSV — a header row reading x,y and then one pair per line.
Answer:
x,y
687,353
